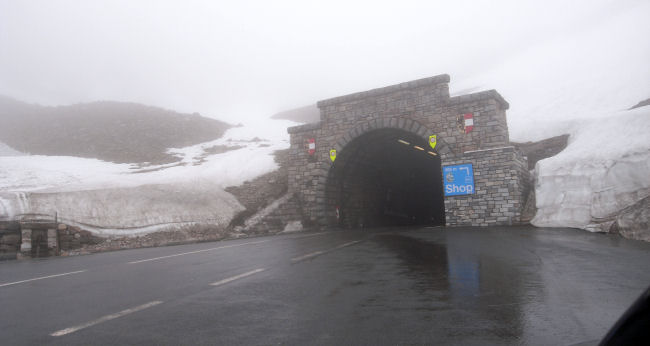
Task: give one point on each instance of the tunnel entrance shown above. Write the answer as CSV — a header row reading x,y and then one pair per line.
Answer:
x,y
386,177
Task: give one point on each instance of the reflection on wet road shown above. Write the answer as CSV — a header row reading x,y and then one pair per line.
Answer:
x,y
502,286
477,286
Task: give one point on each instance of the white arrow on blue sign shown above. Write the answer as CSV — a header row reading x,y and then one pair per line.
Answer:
x,y
458,179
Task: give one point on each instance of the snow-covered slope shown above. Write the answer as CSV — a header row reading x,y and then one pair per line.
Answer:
x,y
110,198
603,170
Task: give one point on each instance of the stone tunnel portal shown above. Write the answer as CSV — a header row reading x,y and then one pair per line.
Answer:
x,y
376,180
386,177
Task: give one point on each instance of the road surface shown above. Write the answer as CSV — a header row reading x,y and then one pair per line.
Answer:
x,y
514,285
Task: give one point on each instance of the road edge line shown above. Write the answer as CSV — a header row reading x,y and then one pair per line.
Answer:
x,y
105,318
199,251
41,278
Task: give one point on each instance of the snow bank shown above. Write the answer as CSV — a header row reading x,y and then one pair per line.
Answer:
x,y
141,209
125,199
603,170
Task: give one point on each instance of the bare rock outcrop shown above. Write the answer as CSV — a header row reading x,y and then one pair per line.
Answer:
x,y
633,222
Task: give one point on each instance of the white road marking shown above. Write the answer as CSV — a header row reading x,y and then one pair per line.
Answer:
x,y
105,318
347,244
237,277
198,251
309,255
40,278
309,235
318,253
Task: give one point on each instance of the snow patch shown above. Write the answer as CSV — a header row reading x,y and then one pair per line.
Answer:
x,y
292,226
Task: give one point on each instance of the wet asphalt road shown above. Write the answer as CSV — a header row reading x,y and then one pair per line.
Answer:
x,y
391,286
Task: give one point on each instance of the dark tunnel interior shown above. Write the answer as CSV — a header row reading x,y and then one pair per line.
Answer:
x,y
386,177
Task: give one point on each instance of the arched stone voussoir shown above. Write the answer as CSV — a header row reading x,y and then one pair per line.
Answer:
x,y
383,123
408,125
340,144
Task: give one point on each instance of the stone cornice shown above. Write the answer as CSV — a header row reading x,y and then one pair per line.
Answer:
x,y
482,95
439,79
304,127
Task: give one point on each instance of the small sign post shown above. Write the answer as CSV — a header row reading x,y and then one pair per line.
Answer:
x,y
458,179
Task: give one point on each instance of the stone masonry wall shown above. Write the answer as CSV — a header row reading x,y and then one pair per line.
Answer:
x,y
16,239
76,241
501,186
422,107
9,239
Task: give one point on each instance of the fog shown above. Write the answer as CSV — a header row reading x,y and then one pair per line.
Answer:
x,y
245,60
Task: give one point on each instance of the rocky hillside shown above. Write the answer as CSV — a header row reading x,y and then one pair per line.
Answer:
x,y
109,131
260,192
643,103
540,150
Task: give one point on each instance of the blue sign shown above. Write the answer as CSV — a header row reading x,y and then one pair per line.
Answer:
x,y
458,180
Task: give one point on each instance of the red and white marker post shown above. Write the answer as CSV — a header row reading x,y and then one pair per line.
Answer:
x,y
468,122
311,146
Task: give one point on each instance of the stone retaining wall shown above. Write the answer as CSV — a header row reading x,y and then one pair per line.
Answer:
x,y
17,239
76,241
9,239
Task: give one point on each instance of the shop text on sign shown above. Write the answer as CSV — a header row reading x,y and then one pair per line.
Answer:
x,y
458,179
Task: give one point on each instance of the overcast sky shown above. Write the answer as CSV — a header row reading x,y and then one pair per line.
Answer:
x,y
246,59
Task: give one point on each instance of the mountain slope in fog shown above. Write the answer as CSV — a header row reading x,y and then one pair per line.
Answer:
x,y
111,131
305,114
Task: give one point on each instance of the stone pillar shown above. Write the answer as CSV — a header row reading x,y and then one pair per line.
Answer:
x,y
26,245
52,242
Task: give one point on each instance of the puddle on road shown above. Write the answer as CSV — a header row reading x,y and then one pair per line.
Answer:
x,y
421,259
456,278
